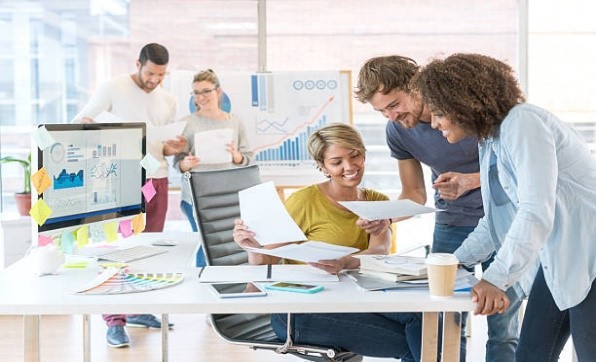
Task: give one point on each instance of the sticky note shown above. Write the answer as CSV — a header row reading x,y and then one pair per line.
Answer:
x,y
76,265
43,138
40,211
125,228
82,235
138,223
111,231
96,232
67,242
43,240
150,164
148,190
41,180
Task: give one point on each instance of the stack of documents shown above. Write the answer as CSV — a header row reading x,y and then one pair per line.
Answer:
x,y
392,277
464,281
394,267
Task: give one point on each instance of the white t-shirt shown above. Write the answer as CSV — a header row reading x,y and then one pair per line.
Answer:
x,y
125,99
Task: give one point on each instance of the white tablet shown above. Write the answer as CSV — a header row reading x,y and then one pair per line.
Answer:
x,y
237,290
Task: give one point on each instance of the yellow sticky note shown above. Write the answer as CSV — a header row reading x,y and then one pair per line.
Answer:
x,y
40,212
111,231
82,235
41,180
138,223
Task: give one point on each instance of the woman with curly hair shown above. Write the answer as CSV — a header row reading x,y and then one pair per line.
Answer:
x,y
538,182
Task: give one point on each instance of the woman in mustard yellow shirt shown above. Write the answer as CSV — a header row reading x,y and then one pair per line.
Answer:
x,y
339,152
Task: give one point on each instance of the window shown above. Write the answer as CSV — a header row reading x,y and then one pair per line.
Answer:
x,y
74,46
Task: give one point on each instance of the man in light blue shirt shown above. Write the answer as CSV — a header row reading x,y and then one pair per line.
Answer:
x,y
538,182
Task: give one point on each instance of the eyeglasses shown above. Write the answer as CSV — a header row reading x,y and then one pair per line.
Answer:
x,y
203,92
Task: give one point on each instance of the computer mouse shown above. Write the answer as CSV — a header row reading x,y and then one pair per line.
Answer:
x,y
164,242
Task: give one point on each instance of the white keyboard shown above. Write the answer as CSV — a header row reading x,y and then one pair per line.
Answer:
x,y
131,254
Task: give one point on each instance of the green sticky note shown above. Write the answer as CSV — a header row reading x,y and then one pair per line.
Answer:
x,y
66,242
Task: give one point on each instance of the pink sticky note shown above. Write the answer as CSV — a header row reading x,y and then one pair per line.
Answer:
x,y
43,240
148,190
125,228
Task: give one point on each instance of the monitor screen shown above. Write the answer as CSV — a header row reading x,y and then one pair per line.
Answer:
x,y
95,172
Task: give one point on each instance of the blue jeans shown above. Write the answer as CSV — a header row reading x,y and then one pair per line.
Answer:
x,y
502,328
546,328
188,210
389,335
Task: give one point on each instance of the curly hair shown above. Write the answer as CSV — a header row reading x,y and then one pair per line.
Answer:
x,y
384,74
474,91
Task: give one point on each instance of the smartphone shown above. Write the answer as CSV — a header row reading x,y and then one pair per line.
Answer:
x,y
295,287
237,290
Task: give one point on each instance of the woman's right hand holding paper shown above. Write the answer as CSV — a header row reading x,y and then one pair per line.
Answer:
x,y
243,236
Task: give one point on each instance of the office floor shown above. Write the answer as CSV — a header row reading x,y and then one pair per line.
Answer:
x,y
190,340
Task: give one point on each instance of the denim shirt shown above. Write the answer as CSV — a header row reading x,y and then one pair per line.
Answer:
x,y
538,182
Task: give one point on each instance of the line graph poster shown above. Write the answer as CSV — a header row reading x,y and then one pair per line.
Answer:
x,y
280,110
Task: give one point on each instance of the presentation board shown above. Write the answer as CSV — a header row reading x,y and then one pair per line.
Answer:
x,y
280,110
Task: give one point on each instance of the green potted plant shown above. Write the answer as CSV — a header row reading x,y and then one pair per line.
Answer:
x,y
22,198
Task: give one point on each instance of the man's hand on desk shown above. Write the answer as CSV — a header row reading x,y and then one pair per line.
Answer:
x,y
489,299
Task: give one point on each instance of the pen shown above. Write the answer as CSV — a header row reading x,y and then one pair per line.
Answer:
x,y
268,271
201,272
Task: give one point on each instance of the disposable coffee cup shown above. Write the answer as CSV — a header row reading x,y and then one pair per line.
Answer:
x,y
441,269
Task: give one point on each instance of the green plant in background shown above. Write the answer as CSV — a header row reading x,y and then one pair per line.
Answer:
x,y
26,164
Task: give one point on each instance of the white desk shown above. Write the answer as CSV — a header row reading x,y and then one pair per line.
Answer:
x,y
31,296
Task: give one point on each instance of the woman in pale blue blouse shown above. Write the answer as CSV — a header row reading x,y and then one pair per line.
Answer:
x,y
538,182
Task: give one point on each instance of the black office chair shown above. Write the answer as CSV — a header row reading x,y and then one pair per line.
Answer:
x,y
215,198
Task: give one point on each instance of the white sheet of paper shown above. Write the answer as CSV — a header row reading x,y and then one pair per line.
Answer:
x,y
210,146
378,210
262,211
107,117
310,251
99,279
164,133
256,273
150,164
42,137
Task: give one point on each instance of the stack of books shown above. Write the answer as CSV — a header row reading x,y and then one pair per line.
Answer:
x,y
396,268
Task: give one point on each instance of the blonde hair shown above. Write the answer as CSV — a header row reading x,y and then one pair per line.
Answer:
x,y
206,75
339,134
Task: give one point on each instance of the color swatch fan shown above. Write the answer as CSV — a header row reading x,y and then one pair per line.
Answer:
x,y
115,281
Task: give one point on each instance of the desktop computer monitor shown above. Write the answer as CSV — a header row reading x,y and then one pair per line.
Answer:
x,y
95,173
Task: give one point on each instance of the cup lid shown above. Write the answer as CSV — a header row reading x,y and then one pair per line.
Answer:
x,y
441,259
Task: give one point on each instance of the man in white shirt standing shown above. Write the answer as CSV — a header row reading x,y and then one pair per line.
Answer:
x,y
138,97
